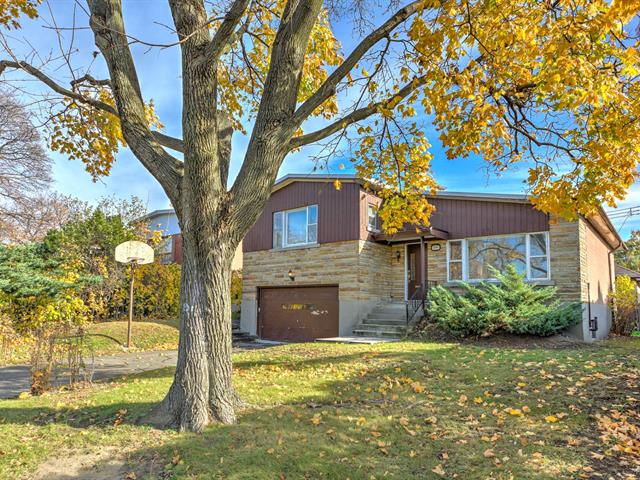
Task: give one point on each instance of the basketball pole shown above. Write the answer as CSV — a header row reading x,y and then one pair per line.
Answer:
x,y
133,270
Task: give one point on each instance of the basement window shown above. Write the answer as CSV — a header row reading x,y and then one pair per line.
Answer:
x,y
292,228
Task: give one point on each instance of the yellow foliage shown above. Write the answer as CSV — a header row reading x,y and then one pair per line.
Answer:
x,y
241,83
10,11
90,135
550,84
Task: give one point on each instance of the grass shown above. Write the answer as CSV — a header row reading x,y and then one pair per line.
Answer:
x,y
400,410
146,336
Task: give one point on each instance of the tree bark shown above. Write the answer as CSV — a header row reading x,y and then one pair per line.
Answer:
x,y
202,390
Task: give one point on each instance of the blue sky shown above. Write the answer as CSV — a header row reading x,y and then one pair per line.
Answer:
x,y
159,72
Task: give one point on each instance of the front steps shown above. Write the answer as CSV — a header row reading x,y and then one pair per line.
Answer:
x,y
387,320
240,336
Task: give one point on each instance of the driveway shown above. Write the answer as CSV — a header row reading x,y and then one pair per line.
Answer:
x,y
15,378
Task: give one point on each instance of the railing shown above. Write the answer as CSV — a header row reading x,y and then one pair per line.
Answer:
x,y
418,300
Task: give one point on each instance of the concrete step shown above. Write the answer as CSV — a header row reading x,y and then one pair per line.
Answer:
x,y
378,333
383,314
377,327
385,320
238,335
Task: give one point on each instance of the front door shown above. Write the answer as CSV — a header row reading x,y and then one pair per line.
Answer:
x,y
414,272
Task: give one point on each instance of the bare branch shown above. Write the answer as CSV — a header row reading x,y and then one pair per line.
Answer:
x,y
165,140
91,81
355,116
108,27
328,88
273,127
225,32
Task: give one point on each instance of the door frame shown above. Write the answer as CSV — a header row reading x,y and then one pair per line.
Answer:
x,y
260,319
406,265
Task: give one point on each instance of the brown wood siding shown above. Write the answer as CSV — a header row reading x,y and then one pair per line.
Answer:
x,y
474,218
366,199
338,213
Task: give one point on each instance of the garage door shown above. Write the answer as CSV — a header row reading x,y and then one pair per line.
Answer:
x,y
298,314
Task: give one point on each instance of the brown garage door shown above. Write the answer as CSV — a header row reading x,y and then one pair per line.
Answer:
x,y
298,314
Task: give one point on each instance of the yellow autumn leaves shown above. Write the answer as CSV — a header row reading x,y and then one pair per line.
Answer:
x,y
10,11
90,135
553,85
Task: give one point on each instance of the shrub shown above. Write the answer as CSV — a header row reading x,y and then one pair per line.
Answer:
x,y
509,305
625,305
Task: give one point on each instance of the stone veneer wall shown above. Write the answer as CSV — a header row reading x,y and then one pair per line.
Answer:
x,y
367,273
565,239
580,258
361,270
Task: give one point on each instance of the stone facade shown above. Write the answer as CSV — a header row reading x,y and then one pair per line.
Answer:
x,y
582,270
368,273
360,269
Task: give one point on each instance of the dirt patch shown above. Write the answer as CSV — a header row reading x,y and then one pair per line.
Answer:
x,y
105,464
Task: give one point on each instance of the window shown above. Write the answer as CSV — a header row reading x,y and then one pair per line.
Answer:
x,y
455,260
295,227
372,218
475,258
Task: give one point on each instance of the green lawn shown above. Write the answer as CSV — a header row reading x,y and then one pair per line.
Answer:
x,y
146,336
400,410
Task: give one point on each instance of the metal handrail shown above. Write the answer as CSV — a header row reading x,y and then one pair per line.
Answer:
x,y
418,299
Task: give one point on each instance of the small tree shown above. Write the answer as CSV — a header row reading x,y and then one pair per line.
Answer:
x,y
88,241
625,306
39,295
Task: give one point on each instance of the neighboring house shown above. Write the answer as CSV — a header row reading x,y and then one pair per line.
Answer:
x,y
317,265
170,250
626,272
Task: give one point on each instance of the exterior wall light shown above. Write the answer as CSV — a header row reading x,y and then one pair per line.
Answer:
x,y
435,247
398,255
292,277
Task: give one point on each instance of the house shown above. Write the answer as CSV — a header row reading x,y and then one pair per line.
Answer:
x,y
632,274
316,264
170,249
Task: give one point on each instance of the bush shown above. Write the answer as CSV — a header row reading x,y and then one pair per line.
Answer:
x,y
625,305
509,305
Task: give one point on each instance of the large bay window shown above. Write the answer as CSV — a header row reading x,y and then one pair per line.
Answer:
x,y
474,259
295,227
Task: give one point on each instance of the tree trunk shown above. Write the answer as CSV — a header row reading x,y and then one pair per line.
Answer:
x,y
202,391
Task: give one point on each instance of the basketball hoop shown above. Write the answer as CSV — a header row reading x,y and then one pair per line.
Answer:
x,y
133,253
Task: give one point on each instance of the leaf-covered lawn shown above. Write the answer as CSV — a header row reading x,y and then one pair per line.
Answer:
x,y
400,410
146,336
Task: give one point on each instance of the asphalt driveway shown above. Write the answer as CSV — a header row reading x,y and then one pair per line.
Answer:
x,y
14,379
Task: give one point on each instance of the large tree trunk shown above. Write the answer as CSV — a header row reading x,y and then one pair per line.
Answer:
x,y
202,391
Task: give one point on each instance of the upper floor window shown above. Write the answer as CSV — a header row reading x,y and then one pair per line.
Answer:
x,y
295,227
475,258
373,223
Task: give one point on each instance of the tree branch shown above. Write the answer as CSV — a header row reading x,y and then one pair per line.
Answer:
x,y
108,28
166,140
273,128
328,88
355,116
225,33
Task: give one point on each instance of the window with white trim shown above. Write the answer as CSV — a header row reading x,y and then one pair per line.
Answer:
x,y
474,259
295,227
455,260
372,218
